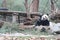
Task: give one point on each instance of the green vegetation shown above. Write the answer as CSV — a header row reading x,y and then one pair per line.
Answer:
x,y
18,5
8,28
14,28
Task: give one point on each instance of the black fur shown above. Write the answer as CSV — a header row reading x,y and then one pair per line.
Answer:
x,y
42,22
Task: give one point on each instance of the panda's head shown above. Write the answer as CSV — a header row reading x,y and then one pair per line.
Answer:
x,y
45,17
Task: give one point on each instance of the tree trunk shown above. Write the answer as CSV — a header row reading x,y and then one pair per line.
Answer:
x,y
34,6
53,6
31,8
26,5
27,8
4,3
53,9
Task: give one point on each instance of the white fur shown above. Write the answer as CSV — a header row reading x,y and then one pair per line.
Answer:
x,y
44,17
54,27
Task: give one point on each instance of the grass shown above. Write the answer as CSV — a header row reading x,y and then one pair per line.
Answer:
x,y
7,28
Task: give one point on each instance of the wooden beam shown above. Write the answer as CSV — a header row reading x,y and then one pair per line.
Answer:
x,y
19,12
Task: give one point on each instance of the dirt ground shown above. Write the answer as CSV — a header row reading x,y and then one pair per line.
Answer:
x,y
29,38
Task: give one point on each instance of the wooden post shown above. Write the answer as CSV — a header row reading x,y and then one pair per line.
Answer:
x,y
4,17
14,16
18,19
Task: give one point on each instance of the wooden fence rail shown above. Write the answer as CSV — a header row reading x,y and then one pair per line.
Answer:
x,y
16,14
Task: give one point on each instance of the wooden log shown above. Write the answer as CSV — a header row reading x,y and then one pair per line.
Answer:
x,y
22,26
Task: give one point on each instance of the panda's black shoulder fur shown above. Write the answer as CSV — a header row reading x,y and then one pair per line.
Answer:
x,y
42,22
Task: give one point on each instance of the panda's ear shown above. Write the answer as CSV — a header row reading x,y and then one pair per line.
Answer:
x,y
47,14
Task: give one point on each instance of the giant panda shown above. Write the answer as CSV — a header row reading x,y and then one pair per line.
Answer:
x,y
44,21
